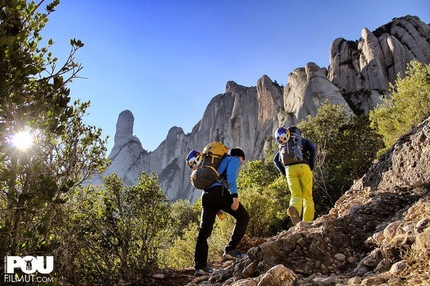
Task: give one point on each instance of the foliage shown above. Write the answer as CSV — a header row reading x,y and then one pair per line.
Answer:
x,y
257,174
183,214
184,227
346,145
34,97
115,233
408,105
265,200
280,195
180,254
262,210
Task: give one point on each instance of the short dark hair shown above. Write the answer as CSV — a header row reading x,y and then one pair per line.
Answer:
x,y
237,152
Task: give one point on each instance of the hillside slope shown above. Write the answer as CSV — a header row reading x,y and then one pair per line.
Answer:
x,y
378,233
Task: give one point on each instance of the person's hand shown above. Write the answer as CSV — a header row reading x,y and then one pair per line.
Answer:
x,y
235,204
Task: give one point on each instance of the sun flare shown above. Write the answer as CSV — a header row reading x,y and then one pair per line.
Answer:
x,y
22,140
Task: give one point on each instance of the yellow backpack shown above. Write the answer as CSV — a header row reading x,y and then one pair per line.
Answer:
x,y
206,174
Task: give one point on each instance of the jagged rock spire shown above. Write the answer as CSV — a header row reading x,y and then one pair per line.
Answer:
x,y
124,127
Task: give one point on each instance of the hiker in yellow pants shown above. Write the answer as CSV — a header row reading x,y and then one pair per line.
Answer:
x,y
299,177
295,160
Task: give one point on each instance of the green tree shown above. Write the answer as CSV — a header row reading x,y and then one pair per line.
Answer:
x,y
115,233
408,105
183,214
265,199
34,98
180,253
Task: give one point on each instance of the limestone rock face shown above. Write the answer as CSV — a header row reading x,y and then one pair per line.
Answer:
x,y
124,128
358,77
233,118
363,69
400,166
307,89
242,116
168,163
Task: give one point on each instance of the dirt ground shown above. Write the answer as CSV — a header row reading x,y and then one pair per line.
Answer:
x,y
166,277
181,277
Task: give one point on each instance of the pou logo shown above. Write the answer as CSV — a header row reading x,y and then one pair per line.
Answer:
x,y
30,264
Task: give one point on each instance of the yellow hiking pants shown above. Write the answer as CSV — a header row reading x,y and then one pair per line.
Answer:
x,y
299,179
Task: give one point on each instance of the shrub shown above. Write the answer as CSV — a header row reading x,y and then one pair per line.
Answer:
x,y
114,233
408,105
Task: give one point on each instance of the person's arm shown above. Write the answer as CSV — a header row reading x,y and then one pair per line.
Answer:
x,y
278,164
232,173
308,146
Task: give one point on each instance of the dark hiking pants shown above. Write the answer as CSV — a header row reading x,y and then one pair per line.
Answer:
x,y
214,199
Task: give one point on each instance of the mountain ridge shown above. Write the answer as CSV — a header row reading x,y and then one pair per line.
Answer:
x,y
358,77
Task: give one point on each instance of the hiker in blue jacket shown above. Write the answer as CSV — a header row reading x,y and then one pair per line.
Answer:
x,y
222,196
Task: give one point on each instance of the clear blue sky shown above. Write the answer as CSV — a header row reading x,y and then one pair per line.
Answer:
x,y
165,60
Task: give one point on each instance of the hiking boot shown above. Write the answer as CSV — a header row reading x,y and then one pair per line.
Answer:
x,y
204,271
294,214
233,254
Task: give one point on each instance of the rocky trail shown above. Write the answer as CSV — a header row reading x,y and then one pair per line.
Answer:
x,y
378,233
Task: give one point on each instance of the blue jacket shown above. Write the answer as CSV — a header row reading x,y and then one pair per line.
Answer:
x,y
309,154
229,168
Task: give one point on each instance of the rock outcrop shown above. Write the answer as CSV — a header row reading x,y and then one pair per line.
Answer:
x,y
242,116
363,69
307,89
358,77
127,152
378,232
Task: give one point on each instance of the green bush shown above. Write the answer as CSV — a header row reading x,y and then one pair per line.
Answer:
x,y
180,254
183,213
408,105
265,200
115,233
